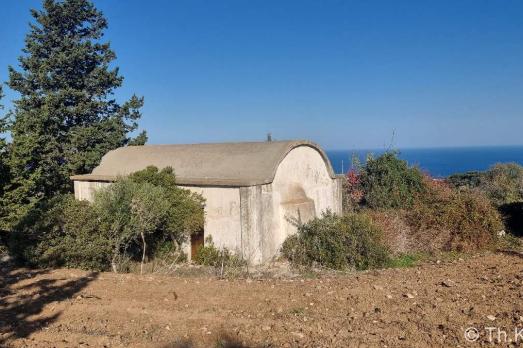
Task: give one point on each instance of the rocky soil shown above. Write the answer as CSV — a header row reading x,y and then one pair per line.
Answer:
x,y
429,305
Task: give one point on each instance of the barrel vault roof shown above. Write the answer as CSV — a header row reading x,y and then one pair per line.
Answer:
x,y
219,164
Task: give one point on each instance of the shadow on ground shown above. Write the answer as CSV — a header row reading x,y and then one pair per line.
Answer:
x,y
224,340
19,302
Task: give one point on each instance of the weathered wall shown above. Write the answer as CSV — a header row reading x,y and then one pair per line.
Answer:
x,y
222,212
257,221
84,190
302,189
222,215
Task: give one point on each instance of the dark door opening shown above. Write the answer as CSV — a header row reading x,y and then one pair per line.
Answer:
x,y
196,243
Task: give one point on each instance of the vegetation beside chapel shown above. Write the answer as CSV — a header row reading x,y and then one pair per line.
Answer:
x,y
132,220
400,212
66,118
338,242
503,185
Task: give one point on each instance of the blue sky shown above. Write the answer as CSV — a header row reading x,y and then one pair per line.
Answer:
x,y
345,74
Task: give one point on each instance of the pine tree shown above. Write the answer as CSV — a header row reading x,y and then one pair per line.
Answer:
x,y
4,171
66,118
3,151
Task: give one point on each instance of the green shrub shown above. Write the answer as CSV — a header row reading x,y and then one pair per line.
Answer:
x,y
186,208
510,242
209,255
404,261
388,182
167,259
129,220
62,232
503,183
465,180
223,260
337,242
168,252
142,211
4,177
466,216
34,228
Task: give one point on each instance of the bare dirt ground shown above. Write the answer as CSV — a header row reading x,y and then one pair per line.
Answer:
x,y
429,305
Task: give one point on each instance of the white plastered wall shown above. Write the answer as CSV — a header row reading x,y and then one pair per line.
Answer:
x,y
222,215
84,190
302,189
222,211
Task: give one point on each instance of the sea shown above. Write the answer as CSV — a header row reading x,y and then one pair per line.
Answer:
x,y
438,162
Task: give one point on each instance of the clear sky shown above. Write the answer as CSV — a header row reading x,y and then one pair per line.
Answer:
x,y
345,74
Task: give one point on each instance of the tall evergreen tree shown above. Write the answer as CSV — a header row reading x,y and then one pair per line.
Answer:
x,y
3,151
66,118
4,172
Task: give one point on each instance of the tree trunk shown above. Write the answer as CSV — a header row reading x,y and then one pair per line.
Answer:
x,y
113,262
143,254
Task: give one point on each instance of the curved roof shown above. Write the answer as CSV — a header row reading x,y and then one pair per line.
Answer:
x,y
221,164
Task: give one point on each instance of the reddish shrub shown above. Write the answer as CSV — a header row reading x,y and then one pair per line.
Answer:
x,y
353,193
